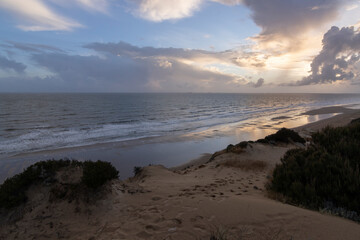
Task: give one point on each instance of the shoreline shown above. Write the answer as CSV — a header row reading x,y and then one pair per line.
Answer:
x,y
184,149
344,117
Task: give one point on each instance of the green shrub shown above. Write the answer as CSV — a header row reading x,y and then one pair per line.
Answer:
x,y
13,190
326,172
242,144
137,170
286,136
357,120
262,140
97,173
229,148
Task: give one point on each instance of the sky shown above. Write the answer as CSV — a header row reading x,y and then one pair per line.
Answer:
x,y
244,46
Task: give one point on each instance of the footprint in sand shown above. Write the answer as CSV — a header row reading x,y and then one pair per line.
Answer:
x,y
152,228
156,198
143,235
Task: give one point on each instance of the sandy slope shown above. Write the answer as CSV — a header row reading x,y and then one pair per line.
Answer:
x,y
180,204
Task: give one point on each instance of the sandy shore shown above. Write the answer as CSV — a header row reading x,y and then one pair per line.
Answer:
x,y
339,120
187,202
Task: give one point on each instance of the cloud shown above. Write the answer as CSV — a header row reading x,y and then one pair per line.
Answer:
x,y
284,23
258,84
228,2
126,49
88,5
93,73
338,59
159,10
231,57
94,5
6,64
30,47
35,15
121,67
290,17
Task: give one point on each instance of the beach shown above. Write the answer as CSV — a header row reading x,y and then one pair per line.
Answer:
x,y
226,194
120,129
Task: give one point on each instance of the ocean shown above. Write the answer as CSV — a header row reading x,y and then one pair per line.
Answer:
x,y
38,122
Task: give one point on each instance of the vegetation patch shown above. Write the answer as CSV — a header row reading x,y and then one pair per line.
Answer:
x,y
95,174
357,120
286,136
326,175
246,165
238,148
13,190
137,170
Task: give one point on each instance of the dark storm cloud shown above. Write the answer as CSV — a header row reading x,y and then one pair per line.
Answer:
x,y
7,64
338,59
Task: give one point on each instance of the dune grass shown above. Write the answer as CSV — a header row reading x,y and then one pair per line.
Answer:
x,y
246,164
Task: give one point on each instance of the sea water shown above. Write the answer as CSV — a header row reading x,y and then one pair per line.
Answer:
x,y
37,122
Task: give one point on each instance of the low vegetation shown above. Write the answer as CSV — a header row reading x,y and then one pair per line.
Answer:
x,y
238,148
95,174
284,135
246,165
137,170
326,175
13,190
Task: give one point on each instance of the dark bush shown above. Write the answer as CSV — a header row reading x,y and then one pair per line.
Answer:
x,y
262,140
97,173
242,144
357,120
286,136
327,172
229,148
13,190
137,170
